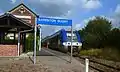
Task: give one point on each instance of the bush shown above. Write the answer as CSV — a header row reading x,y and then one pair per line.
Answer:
x,y
110,54
104,53
30,43
91,52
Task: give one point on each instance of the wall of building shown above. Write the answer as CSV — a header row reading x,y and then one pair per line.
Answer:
x,y
24,14
9,50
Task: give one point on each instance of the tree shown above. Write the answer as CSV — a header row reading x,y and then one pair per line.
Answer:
x,y
98,26
113,38
95,32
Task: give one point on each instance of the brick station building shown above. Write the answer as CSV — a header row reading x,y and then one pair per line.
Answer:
x,y
16,23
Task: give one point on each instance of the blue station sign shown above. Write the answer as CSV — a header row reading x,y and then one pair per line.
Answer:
x,y
53,21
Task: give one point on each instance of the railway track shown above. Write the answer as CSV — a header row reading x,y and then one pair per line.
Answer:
x,y
93,64
98,66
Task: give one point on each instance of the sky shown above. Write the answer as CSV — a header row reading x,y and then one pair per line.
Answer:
x,y
80,11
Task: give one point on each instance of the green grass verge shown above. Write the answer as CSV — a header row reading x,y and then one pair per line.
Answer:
x,y
105,53
91,52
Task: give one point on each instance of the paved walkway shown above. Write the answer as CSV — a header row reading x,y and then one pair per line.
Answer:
x,y
47,61
59,62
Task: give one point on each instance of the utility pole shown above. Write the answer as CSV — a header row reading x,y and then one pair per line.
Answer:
x,y
71,44
40,36
35,31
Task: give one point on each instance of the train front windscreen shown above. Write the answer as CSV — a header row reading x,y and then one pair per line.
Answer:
x,y
75,41
74,37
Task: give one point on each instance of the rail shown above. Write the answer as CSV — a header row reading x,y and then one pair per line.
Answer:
x,y
96,68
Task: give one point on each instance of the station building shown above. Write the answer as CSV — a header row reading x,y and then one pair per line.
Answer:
x,y
14,25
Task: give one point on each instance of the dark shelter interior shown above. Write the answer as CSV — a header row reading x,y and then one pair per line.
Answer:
x,y
9,24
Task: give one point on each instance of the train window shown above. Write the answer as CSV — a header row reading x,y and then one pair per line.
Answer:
x,y
69,37
58,41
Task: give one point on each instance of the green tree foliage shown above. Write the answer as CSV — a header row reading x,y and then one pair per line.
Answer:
x,y
30,43
95,32
113,38
99,26
99,34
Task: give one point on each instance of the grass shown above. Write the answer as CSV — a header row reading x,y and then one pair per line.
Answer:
x,y
91,52
104,53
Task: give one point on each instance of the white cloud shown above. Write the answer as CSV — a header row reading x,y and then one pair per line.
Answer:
x,y
117,10
52,1
12,1
83,23
79,26
63,8
52,7
116,17
48,30
91,4
1,12
115,22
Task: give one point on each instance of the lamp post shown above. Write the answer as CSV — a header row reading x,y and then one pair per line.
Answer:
x,y
39,37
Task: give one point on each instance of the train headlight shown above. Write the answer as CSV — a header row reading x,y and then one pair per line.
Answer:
x,y
64,43
80,44
77,43
68,43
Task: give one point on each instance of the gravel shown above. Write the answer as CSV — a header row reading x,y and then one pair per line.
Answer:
x,y
21,65
103,61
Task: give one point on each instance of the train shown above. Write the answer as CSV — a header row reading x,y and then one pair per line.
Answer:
x,y
61,40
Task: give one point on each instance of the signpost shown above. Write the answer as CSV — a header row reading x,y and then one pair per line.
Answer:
x,y
35,31
52,21
39,27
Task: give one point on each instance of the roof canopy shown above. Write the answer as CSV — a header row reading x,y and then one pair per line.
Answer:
x,y
8,22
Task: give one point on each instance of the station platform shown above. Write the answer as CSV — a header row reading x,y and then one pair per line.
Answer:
x,y
56,61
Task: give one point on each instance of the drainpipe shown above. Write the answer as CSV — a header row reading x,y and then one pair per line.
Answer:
x,y
26,31
18,43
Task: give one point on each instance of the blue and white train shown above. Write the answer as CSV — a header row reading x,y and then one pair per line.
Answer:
x,y
61,41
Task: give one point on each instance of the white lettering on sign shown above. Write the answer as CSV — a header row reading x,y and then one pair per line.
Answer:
x,y
48,20
26,17
62,21
53,20
43,19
